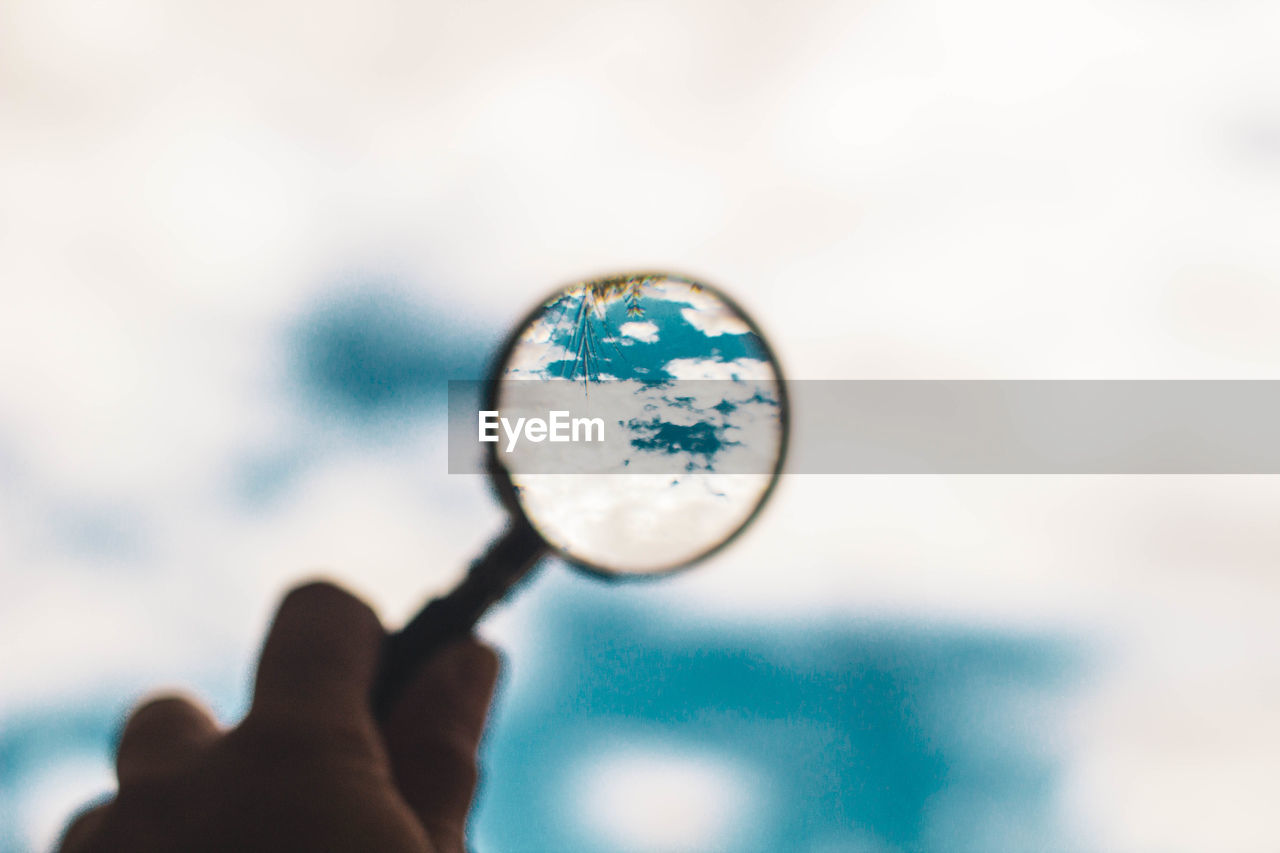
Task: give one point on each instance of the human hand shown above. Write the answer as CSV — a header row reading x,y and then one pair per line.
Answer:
x,y
308,768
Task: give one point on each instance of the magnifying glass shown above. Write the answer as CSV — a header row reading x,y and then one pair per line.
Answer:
x,y
692,401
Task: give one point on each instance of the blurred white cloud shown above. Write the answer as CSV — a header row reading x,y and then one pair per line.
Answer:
x,y
58,791
664,798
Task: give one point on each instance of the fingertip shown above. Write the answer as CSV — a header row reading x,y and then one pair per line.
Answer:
x,y
465,669
162,733
322,598
449,696
473,661
168,707
322,648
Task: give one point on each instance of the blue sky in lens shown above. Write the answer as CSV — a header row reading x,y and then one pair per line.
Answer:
x,y
658,332
855,734
628,357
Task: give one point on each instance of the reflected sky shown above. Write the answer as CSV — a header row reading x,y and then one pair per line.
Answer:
x,y
641,328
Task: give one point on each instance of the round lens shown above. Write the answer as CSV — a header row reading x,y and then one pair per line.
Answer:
x,y
640,422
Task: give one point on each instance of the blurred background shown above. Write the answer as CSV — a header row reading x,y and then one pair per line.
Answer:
x,y
243,245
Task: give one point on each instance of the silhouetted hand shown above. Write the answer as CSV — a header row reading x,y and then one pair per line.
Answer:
x,y
308,769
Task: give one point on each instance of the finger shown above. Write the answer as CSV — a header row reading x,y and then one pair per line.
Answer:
x,y
434,731
161,736
320,656
79,834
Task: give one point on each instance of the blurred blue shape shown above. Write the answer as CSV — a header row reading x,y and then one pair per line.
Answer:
x,y
372,359
102,531
863,729
373,349
892,737
264,476
38,739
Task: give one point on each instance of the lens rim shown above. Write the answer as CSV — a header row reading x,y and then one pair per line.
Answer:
x,y
500,478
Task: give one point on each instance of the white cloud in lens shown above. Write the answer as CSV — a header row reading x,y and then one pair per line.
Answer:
x,y
645,331
665,799
712,368
615,505
638,523
715,321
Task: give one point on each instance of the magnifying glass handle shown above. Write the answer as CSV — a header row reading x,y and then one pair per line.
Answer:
x,y
508,559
